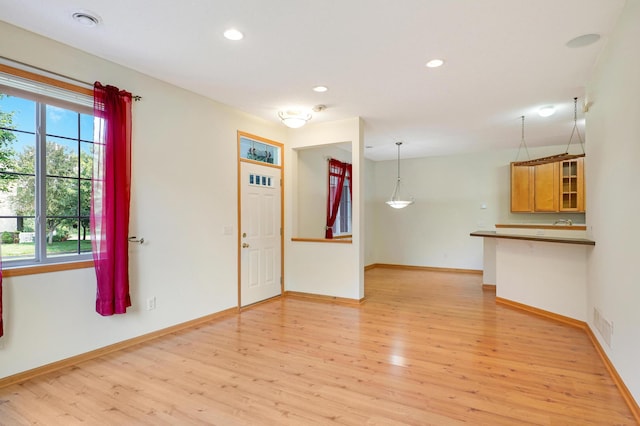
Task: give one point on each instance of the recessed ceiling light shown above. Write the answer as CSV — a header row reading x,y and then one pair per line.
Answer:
x,y
435,63
583,40
320,89
547,111
233,34
86,18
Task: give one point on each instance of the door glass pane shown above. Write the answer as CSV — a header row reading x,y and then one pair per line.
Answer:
x,y
259,151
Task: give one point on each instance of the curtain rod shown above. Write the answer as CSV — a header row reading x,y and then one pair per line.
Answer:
x,y
66,77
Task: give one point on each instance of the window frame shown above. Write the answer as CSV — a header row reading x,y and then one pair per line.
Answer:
x,y
41,262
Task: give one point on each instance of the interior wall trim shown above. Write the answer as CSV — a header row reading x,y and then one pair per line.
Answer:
x,y
423,268
324,298
624,390
77,359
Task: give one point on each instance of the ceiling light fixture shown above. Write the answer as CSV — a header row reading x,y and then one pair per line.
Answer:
x,y
294,119
397,201
435,63
547,111
320,89
86,18
233,34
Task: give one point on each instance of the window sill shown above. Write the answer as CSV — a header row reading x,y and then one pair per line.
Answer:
x,y
43,269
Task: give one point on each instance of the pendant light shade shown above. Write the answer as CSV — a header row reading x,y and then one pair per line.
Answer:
x,y
398,200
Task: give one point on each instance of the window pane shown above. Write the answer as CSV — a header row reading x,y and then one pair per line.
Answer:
x,y
20,114
62,239
85,198
62,199
17,223
17,245
259,151
83,233
20,198
18,153
86,160
62,122
62,157
86,127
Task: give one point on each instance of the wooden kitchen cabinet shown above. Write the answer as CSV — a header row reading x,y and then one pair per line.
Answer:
x,y
521,189
572,185
546,179
548,188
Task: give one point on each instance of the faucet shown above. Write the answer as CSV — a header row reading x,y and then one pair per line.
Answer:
x,y
563,221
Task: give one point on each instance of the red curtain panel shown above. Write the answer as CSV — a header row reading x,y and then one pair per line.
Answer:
x,y
111,193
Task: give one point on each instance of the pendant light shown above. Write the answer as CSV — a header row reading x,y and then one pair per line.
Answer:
x,y
397,201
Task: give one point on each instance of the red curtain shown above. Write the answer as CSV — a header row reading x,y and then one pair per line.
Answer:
x,y
111,194
337,175
349,168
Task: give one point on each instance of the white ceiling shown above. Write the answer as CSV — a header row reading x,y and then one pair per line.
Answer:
x,y
504,59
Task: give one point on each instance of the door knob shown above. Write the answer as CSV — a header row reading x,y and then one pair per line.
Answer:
x,y
245,245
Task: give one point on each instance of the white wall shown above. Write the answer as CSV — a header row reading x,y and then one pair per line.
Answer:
x,y
183,195
548,276
613,194
331,269
370,212
449,193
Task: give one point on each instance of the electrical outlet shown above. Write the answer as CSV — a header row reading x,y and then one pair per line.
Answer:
x,y
151,303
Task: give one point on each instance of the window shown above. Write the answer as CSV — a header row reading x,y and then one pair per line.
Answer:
x,y
46,155
343,220
252,149
339,199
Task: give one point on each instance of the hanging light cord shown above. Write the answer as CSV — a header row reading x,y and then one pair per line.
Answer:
x,y
394,195
523,143
398,144
575,127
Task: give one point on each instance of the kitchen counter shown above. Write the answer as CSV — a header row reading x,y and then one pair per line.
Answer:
x,y
548,239
526,269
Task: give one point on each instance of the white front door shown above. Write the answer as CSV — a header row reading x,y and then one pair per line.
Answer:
x,y
260,240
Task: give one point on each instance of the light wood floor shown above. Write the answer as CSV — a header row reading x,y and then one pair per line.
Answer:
x,y
426,348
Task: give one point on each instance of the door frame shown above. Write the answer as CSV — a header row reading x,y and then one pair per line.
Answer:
x,y
280,166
